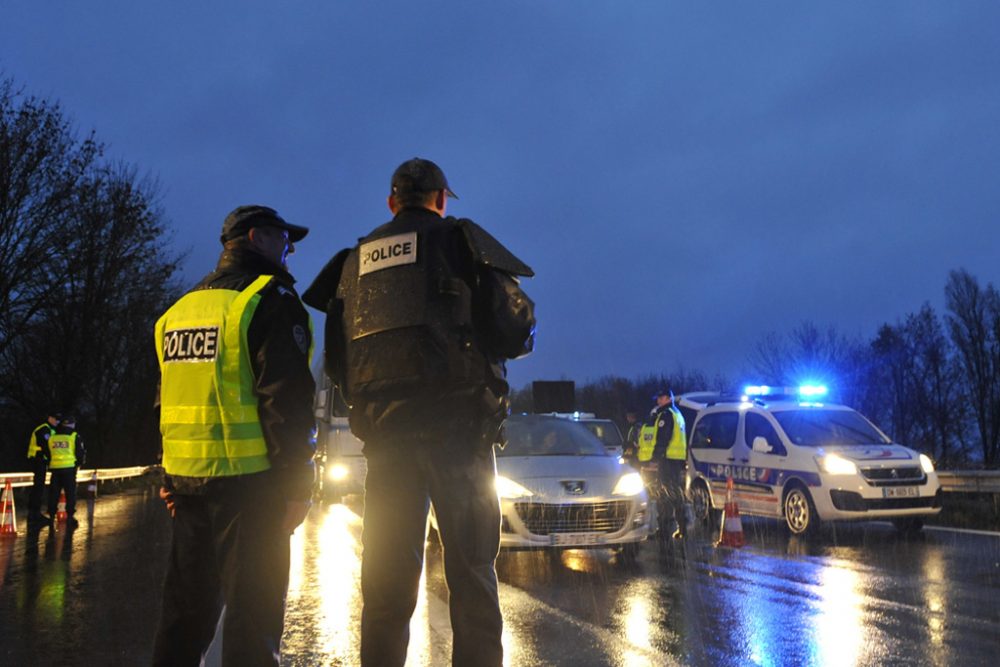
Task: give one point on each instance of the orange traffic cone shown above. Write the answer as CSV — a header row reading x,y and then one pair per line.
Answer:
x,y
61,508
8,524
732,527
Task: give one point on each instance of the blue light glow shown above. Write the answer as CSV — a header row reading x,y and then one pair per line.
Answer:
x,y
812,390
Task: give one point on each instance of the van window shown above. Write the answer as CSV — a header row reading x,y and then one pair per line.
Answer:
x,y
716,430
758,426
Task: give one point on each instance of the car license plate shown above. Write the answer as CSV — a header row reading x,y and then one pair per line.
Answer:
x,y
900,492
574,539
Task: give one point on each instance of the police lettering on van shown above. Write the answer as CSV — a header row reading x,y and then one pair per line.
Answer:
x,y
195,344
388,252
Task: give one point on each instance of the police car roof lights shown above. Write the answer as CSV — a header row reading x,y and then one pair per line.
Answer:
x,y
806,391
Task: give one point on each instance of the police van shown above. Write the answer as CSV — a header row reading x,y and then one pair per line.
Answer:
x,y
794,456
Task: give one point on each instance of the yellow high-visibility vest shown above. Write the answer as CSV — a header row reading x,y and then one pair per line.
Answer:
x,y
33,447
62,446
208,410
676,448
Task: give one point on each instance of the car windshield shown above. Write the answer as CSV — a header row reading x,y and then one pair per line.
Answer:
x,y
823,428
529,436
606,431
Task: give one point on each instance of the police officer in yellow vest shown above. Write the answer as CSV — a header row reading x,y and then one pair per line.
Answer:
x,y
236,418
663,440
67,454
38,459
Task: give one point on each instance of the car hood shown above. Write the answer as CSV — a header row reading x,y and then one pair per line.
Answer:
x,y
891,454
545,475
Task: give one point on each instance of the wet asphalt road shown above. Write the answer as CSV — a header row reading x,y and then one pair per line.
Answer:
x,y
859,595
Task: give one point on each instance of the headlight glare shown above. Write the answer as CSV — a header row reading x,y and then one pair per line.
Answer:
x,y
926,463
629,485
508,488
337,472
838,465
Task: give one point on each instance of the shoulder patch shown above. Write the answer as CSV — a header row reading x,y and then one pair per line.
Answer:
x,y
284,291
387,252
301,339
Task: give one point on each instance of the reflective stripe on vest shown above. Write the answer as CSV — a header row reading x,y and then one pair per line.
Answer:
x,y
676,448
33,447
63,449
208,410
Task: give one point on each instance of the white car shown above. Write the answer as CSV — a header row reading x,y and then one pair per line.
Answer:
x,y
793,456
560,488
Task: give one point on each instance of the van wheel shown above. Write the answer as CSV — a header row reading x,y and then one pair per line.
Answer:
x,y
909,525
800,513
701,504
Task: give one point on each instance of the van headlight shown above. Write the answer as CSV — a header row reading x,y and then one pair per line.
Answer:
x,y
926,463
337,472
835,464
629,485
508,488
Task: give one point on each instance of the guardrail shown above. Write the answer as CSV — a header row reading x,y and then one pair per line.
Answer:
x,y
82,476
969,481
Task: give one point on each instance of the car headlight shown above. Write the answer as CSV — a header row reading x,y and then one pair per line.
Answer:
x,y
926,463
337,472
508,488
837,465
629,485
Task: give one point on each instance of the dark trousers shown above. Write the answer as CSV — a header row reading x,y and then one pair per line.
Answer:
x,y
403,478
62,479
672,478
228,549
37,491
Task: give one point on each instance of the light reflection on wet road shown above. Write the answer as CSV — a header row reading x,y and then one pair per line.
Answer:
x,y
859,595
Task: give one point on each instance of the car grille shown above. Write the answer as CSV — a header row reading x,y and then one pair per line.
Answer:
x,y
911,475
543,518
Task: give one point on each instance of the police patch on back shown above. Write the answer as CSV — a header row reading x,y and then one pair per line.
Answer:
x,y
196,344
387,252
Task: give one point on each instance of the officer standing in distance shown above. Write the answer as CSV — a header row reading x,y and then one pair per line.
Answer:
x,y
663,440
66,454
421,317
236,417
38,459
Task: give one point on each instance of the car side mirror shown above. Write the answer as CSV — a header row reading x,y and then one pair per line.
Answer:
x,y
761,445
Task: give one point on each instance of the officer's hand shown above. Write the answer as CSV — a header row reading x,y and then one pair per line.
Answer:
x,y
168,498
295,514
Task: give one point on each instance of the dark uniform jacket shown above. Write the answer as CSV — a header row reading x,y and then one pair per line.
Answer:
x,y
278,338
503,328
663,419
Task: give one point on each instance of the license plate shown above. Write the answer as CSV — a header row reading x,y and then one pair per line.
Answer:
x,y
900,492
574,539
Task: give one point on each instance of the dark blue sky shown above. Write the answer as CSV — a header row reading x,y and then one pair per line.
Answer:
x,y
683,178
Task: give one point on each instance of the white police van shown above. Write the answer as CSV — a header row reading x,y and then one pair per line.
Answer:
x,y
793,456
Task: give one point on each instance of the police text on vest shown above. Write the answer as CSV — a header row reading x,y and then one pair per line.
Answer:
x,y
200,344
388,252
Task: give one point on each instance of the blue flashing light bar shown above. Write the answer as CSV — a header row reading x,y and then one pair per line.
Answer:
x,y
805,390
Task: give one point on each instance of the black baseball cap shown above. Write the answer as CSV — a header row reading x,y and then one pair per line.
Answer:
x,y
419,175
663,391
243,218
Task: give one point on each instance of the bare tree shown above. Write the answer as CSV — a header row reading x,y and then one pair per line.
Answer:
x,y
974,325
88,248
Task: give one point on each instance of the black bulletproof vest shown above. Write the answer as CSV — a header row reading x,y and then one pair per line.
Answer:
x,y
408,313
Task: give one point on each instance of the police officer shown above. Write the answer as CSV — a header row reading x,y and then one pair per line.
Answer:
x,y
630,451
66,454
663,441
236,417
421,316
38,459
